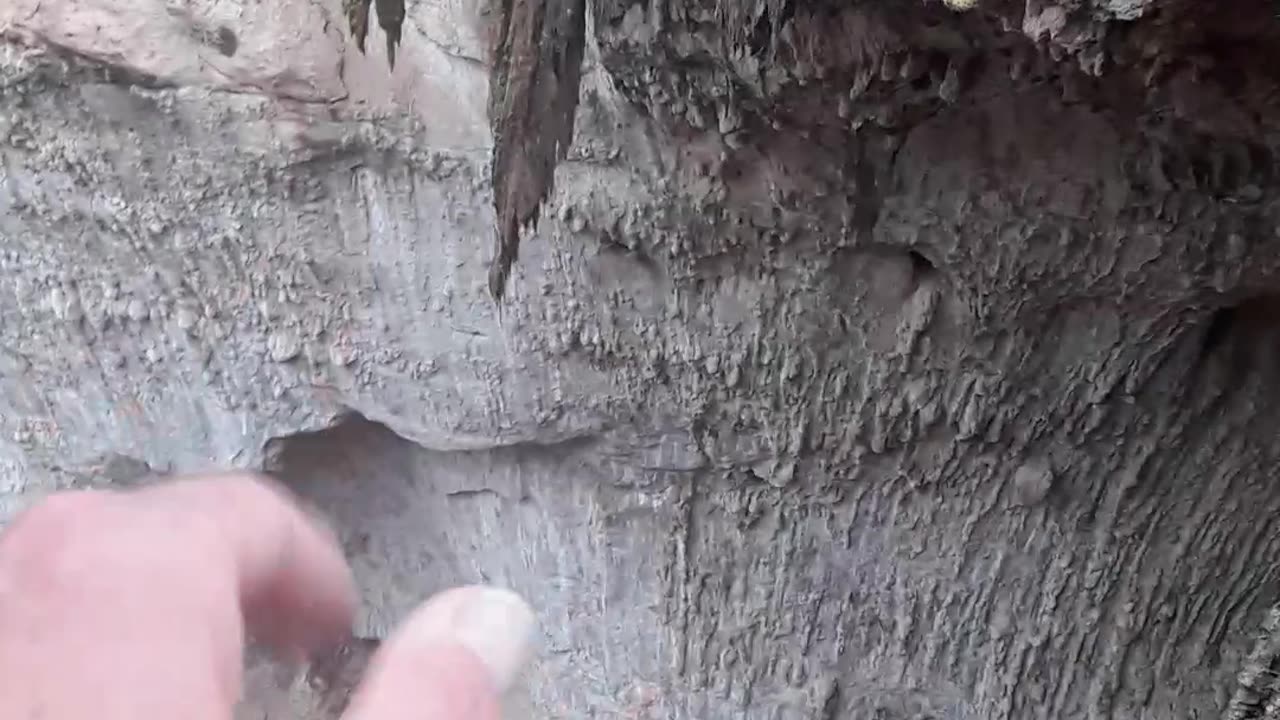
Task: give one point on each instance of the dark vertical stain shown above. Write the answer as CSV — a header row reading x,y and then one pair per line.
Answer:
x,y
391,19
357,13
533,97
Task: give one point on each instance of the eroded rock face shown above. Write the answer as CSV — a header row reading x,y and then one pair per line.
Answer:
x,y
870,359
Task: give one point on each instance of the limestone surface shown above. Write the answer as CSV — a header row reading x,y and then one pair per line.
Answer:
x,y
877,359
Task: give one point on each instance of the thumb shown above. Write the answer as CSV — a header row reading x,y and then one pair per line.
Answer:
x,y
452,659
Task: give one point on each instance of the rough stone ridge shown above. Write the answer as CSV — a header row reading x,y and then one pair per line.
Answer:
x,y
870,359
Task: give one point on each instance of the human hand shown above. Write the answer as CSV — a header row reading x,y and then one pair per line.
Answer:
x,y
135,605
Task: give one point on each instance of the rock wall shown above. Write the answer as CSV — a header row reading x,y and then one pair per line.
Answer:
x,y
869,360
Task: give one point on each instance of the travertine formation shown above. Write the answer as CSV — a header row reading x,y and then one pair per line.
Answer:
x,y
870,359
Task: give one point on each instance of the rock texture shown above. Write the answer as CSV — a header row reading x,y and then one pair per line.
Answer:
x,y
869,360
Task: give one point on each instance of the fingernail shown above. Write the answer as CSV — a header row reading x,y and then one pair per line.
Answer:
x,y
498,626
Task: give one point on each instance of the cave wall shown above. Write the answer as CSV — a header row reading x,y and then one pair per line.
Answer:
x,y
866,359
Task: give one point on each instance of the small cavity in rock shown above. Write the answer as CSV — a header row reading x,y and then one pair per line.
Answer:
x,y
226,42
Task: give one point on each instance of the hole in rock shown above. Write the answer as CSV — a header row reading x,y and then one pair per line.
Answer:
x,y
414,521
552,519
920,265
226,41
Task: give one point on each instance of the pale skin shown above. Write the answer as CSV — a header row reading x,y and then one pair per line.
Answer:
x,y
136,605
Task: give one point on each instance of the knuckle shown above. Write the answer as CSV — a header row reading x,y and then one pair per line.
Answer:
x,y
50,530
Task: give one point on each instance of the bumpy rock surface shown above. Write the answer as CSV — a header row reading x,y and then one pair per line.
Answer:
x,y
870,359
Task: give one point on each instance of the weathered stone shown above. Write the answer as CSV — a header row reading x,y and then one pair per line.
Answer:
x,y
869,359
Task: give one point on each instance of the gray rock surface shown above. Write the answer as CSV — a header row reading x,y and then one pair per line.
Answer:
x,y
869,361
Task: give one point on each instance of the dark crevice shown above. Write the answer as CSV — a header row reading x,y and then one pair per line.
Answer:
x,y
1242,337
1218,331
761,35
767,26
335,674
355,448
83,68
921,266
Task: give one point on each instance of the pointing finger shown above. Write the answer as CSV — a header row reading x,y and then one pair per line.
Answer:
x,y
452,659
295,587
121,605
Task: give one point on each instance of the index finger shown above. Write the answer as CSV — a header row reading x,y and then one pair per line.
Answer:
x,y
295,587
453,659
119,605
